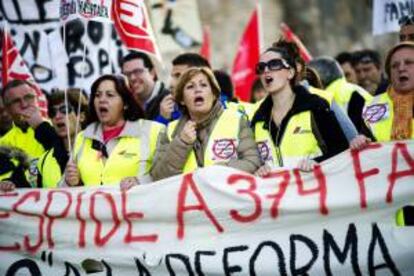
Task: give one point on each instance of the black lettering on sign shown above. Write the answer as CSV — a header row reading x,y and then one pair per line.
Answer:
x,y
181,259
76,66
350,248
391,12
279,253
294,270
103,60
74,34
229,269
32,42
142,270
388,262
21,266
15,11
71,270
95,31
197,261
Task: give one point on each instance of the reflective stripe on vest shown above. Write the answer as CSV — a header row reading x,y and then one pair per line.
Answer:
x,y
49,169
298,142
222,143
132,156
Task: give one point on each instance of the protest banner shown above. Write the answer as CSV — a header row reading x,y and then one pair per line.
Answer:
x,y
35,27
338,219
386,13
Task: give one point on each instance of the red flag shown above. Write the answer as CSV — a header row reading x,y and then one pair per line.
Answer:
x,y
14,67
205,50
243,73
291,36
133,26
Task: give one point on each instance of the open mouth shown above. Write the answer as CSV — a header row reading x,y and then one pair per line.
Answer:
x,y
403,78
268,80
60,125
198,100
103,110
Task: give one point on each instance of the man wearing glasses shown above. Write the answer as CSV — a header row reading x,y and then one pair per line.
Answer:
x,y
406,28
147,90
30,131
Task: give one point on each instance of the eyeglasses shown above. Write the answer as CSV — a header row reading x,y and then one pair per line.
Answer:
x,y
406,20
62,109
273,65
28,98
136,72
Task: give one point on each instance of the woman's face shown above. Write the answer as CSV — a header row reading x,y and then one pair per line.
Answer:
x,y
58,117
275,75
109,105
198,96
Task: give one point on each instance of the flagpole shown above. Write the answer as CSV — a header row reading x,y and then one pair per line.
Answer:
x,y
5,61
260,23
82,78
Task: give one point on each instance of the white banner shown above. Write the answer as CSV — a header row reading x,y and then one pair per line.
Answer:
x,y
386,14
95,10
337,220
37,32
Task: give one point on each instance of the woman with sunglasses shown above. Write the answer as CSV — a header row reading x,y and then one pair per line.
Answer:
x,y
292,127
118,145
52,163
206,134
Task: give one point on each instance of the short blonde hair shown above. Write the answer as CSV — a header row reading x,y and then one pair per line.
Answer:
x,y
188,75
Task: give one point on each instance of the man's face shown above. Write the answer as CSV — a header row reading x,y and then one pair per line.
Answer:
x,y
407,33
176,73
368,75
349,72
402,70
5,118
18,99
140,79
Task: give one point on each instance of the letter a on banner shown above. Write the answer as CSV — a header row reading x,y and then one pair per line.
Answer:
x,y
14,68
133,26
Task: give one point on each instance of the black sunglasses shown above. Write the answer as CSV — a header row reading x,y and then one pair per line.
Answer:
x,y
273,65
62,109
406,20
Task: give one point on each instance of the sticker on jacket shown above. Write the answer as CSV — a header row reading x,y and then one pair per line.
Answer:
x,y
264,150
224,149
375,113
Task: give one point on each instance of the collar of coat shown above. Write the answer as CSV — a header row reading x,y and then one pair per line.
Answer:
x,y
304,101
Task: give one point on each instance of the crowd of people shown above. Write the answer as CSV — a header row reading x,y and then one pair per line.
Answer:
x,y
134,129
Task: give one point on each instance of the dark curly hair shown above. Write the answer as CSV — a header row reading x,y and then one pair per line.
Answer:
x,y
132,111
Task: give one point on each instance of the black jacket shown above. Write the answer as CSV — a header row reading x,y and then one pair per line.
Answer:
x,y
325,127
152,108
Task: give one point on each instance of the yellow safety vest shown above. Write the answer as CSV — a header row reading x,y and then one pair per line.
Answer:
x,y
405,216
379,115
222,143
49,169
342,92
328,96
8,174
25,141
297,142
132,156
